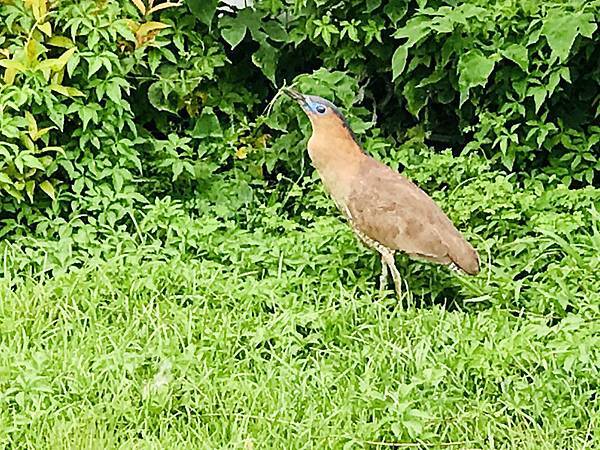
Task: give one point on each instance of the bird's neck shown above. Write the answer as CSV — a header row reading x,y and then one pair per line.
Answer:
x,y
337,158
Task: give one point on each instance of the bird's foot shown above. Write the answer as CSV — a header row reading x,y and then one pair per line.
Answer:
x,y
387,259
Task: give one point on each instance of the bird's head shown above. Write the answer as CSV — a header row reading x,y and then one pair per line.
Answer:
x,y
323,115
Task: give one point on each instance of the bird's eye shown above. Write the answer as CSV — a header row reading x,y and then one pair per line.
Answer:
x,y
320,109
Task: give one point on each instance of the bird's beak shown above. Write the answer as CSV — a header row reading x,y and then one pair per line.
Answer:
x,y
296,96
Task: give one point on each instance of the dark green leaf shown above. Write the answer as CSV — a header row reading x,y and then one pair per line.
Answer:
x,y
233,32
372,5
204,10
266,60
207,125
275,31
396,10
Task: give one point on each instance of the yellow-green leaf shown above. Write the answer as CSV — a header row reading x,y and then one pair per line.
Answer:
x,y
57,77
47,187
46,28
15,193
60,41
66,56
28,142
67,90
48,64
41,133
164,5
9,76
5,178
31,123
29,188
140,5
41,8
12,64
35,8
31,50
149,27
53,148
57,64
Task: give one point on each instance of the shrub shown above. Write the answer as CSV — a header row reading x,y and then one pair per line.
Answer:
x,y
108,107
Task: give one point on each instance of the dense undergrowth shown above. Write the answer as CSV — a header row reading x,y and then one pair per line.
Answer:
x,y
174,274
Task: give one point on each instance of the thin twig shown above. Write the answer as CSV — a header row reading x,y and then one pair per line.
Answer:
x,y
278,94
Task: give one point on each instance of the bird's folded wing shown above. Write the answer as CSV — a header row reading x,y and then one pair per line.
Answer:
x,y
393,211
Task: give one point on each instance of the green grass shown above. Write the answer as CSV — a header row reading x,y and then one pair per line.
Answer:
x,y
259,347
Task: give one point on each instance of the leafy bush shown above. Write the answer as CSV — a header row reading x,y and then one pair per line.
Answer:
x,y
137,156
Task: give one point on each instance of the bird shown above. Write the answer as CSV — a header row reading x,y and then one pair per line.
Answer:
x,y
387,211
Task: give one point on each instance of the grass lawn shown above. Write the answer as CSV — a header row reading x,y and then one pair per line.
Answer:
x,y
249,345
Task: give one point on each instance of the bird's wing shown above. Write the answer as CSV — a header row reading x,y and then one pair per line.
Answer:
x,y
390,209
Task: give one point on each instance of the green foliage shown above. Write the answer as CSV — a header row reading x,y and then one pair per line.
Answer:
x,y
147,198
516,66
274,332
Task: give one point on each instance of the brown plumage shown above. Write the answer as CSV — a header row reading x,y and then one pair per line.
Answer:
x,y
386,210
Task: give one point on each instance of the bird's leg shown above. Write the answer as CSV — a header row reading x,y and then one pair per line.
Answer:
x,y
384,274
387,261
388,256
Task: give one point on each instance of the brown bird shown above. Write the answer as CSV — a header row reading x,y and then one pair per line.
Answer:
x,y
387,211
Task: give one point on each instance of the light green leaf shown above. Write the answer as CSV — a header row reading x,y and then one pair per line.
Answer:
x,y
508,159
517,54
414,30
113,90
539,95
474,69
177,169
72,64
94,65
553,82
31,161
123,29
399,61
63,59
14,192
561,29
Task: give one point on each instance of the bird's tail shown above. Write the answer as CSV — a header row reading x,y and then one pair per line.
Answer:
x,y
465,258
